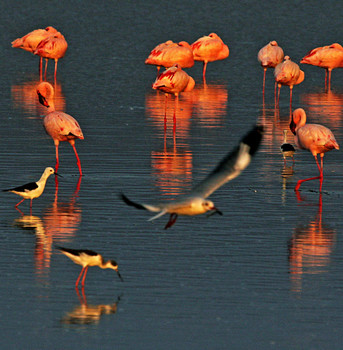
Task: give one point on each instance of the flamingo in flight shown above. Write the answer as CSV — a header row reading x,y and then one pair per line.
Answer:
x,y
269,57
196,202
30,41
209,48
52,47
59,125
315,138
328,57
288,73
168,53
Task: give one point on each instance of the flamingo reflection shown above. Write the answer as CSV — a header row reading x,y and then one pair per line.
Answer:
x,y
24,97
310,248
88,314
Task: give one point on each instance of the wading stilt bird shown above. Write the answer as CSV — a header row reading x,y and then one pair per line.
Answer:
x,y
287,149
87,258
59,125
315,138
195,202
32,190
209,48
269,57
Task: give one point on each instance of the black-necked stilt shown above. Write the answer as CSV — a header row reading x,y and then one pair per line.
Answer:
x,y
195,202
32,189
287,149
87,258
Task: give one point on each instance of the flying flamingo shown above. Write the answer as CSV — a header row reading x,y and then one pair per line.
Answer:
x,y
60,126
30,41
173,81
169,53
208,49
288,73
316,138
269,57
328,57
53,47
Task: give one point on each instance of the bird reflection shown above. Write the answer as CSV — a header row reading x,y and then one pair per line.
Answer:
x,y
210,104
84,314
163,117
310,248
24,97
60,221
328,104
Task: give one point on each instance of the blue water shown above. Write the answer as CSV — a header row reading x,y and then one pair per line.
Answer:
x,y
266,275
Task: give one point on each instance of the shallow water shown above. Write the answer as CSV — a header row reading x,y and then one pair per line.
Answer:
x,y
265,275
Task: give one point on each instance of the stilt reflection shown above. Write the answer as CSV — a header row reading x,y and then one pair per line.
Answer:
x,y
85,314
310,248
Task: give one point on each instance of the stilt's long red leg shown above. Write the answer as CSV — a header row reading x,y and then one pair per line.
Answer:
x,y
84,277
78,279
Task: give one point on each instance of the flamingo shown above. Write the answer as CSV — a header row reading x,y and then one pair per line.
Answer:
x,y
315,138
60,126
32,190
269,57
328,57
173,81
195,203
208,49
288,73
30,41
53,47
169,53
86,258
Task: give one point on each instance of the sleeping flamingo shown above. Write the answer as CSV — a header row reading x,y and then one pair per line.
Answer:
x,y
173,81
53,47
60,126
328,57
269,57
208,49
288,73
316,138
30,41
169,53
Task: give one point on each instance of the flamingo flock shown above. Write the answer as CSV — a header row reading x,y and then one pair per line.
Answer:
x,y
49,43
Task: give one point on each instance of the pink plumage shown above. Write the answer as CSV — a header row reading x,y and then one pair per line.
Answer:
x,y
315,138
59,125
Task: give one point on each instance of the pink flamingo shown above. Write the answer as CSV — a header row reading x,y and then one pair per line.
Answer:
x,y
269,57
30,41
169,53
288,73
60,126
208,49
173,81
316,138
53,47
328,57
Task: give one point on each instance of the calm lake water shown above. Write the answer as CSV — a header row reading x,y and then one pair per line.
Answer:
x,y
266,275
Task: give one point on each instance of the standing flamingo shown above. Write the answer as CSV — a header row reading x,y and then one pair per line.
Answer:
x,y
53,47
173,81
328,57
316,138
30,41
288,73
169,53
269,57
208,49
60,126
